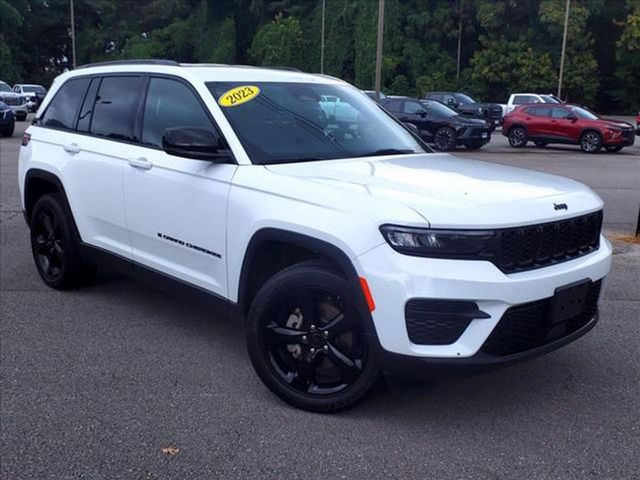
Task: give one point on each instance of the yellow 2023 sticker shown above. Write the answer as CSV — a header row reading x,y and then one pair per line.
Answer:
x,y
238,96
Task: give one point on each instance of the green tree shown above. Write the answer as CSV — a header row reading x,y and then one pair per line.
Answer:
x,y
280,42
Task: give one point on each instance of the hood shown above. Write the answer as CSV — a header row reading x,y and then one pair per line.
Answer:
x,y
449,192
614,123
471,122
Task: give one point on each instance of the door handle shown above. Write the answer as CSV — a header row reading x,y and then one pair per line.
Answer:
x,y
141,163
72,148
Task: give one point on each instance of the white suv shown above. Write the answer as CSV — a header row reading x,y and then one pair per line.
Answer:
x,y
349,246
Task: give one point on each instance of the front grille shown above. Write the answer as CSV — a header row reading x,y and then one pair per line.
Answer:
x,y
495,112
536,246
439,322
528,326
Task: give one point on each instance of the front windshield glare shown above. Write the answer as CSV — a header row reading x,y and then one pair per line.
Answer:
x,y
279,122
464,99
586,114
436,108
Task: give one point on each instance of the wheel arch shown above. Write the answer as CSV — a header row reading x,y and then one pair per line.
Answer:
x,y
251,280
38,182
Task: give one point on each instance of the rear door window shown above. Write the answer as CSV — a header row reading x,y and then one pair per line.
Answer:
x,y
114,107
62,111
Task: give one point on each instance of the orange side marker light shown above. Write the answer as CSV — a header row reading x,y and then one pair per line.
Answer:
x,y
367,294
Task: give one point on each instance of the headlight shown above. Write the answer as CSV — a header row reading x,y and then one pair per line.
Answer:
x,y
439,243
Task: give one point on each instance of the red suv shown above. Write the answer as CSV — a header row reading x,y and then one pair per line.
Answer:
x,y
570,124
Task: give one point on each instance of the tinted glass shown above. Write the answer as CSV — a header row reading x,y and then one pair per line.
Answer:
x,y
559,112
114,106
4,87
413,107
438,109
285,122
84,119
61,112
583,113
393,105
541,111
520,99
464,99
170,104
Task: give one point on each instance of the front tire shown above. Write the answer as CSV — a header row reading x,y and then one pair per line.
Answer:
x,y
53,245
518,137
307,341
613,148
445,139
591,142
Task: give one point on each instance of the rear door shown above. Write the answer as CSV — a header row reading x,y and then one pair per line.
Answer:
x,y
176,207
538,121
85,124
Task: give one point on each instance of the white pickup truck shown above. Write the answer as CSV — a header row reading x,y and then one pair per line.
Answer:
x,y
526,98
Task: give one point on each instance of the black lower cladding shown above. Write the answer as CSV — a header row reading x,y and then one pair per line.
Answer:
x,y
439,322
529,326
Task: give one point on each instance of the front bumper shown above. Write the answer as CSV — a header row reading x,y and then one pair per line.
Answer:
x,y
394,279
428,368
474,136
20,111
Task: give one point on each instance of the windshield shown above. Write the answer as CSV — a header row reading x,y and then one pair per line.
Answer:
x,y
33,88
4,87
586,114
279,122
438,109
549,99
463,99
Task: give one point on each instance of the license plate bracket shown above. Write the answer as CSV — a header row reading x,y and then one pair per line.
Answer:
x,y
569,301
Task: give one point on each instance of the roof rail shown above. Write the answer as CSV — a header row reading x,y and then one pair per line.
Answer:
x,y
291,69
132,62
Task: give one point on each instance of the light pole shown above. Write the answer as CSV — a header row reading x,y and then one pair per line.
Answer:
x,y
379,48
322,38
564,47
73,33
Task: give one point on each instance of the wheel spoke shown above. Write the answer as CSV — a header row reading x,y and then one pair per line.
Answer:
x,y
350,369
41,244
277,335
47,224
339,324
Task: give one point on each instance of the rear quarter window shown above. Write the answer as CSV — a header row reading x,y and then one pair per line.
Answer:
x,y
62,111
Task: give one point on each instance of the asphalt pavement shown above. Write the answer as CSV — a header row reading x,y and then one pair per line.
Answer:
x,y
122,381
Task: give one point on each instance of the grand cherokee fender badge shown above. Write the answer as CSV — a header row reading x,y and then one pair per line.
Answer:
x,y
560,206
188,245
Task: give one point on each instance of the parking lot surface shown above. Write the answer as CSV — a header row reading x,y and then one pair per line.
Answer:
x,y
98,381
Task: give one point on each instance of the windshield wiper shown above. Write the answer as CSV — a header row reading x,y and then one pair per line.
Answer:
x,y
388,151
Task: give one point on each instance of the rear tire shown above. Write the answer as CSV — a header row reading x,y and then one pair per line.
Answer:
x,y
591,142
53,245
518,137
445,139
307,341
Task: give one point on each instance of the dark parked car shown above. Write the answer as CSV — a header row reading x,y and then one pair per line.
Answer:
x,y
7,120
438,124
467,106
568,124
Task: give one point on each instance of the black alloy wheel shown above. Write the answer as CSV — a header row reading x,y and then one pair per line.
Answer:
x,y
52,243
518,137
48,244
445,139
307,341
591,142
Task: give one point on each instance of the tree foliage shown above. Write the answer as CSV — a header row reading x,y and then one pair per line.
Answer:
x,y
505,45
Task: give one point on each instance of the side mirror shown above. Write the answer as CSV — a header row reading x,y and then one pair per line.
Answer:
x,y
422,113
451,102
572,116
194,142
412,127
